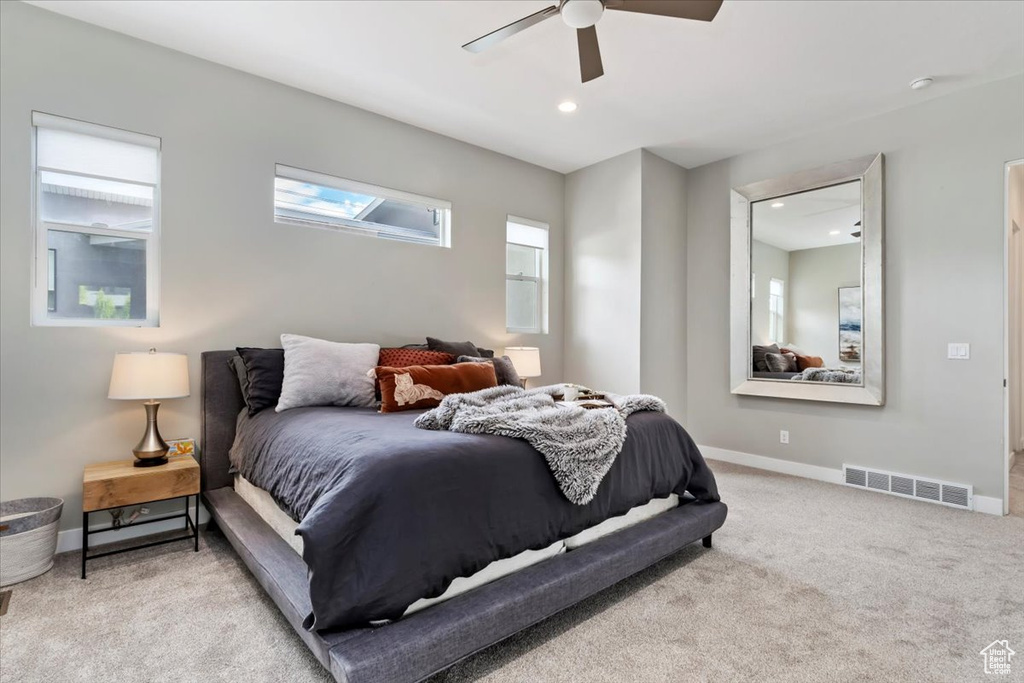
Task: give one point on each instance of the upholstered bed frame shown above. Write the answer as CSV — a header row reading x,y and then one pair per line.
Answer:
x,y
433,639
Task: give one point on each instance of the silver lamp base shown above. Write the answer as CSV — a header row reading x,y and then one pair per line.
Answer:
x,y
152,449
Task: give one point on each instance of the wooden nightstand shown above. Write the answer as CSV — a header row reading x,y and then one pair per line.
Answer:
x,y
109,485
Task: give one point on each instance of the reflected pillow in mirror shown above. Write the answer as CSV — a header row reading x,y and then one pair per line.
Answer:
x,y
791,357
759,353
776,362
804,362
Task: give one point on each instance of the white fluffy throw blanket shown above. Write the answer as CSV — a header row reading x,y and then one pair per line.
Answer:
x,y
580,445
827,375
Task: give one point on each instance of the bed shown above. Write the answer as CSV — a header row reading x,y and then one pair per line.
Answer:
x,y
446,625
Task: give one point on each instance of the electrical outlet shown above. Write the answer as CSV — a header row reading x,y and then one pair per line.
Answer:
x,y
783,436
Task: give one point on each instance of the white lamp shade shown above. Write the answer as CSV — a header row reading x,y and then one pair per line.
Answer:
x,y
526,360
149,375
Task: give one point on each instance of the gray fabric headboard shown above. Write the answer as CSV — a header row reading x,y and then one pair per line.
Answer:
x,y
221,402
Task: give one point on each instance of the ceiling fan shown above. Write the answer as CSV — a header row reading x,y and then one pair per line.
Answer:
x,y
583,15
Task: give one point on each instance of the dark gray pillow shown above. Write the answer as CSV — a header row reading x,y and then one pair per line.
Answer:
x,y
455,348
504,371
238,367
776,362
265,372
759,352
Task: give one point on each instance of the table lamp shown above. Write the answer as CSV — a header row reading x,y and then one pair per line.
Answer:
x,y
148,376
526,360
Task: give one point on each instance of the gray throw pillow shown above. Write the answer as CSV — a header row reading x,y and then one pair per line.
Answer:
x,y
504,371
323,373
759,352
237,366
776,362
455,348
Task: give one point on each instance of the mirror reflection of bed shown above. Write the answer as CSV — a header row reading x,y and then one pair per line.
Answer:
x,y
806,302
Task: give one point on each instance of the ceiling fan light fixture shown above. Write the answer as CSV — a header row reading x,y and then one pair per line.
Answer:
x,y
567,107
581,13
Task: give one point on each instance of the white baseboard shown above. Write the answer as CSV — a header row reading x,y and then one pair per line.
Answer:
x,y
984,504
761,462
71,539
988,505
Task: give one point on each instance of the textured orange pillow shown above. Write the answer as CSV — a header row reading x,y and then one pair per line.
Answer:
x,y
423,386
403,358
804,362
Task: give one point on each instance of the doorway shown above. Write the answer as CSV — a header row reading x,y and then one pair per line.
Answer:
x,y
1014,430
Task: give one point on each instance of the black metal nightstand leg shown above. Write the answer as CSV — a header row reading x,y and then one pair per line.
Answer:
x,y
85,540
197,524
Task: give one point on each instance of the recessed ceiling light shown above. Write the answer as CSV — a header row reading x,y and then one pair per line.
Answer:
x,y
921,83
833,232
778,205
567,107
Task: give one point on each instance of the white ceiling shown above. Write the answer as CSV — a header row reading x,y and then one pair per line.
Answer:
x,y
690,91
805,220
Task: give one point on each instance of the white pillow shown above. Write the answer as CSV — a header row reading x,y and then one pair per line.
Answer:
x,y
323,373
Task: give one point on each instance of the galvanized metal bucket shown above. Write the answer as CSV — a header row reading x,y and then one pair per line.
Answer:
x,y
28,537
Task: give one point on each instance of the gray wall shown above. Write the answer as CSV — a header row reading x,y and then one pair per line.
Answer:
x,y
944,254
626,277
663,282
602,241
812,298
766,262
231,276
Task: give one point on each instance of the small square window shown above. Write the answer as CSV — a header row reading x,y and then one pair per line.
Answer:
x,y
97,224
526,276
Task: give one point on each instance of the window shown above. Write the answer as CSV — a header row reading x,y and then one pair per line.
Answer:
x,y
776,309
323,201
526,276
97,218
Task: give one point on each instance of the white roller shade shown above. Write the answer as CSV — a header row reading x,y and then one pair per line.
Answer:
x,y
526,232
78,147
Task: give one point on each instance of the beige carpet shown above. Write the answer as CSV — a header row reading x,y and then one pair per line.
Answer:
x,y
807,582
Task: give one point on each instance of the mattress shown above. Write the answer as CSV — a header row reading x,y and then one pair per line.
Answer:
x,y
277,519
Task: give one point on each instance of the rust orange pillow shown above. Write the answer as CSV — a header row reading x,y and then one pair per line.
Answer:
x,y
418,387
804,362
403,358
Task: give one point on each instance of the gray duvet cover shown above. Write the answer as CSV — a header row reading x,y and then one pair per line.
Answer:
x,y
389,513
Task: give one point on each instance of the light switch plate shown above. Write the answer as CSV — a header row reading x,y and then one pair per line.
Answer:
x,y
959,351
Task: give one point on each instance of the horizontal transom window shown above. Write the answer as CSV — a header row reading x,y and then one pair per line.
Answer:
x,y
324,201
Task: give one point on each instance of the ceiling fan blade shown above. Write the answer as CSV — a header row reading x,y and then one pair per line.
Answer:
x,y
495,37
590,53
698,10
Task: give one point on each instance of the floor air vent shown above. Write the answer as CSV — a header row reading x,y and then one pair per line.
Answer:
x,y
855,476
942,492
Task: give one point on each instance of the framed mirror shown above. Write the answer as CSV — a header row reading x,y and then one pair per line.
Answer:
x,y
808,285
